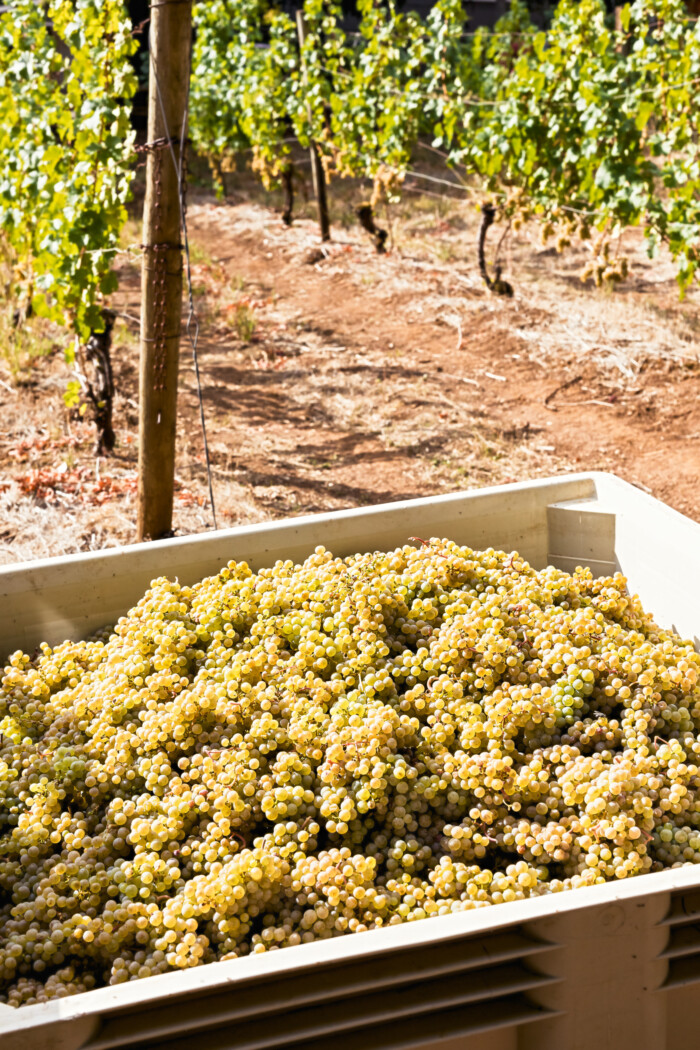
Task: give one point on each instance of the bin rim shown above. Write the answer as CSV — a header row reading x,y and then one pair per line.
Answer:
x,y
602,483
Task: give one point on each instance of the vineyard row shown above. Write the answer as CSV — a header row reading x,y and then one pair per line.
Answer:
x,y
588,127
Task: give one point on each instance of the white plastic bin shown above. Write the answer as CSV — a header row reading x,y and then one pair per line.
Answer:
x,y
613,967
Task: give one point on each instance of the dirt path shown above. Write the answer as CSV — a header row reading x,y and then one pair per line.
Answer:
x,y
425,376
342,378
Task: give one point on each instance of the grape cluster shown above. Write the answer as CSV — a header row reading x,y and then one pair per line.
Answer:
x,y
266,759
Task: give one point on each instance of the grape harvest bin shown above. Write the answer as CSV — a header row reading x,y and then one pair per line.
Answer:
x,y
612,967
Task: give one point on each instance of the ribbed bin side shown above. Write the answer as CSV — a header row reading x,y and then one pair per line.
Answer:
x,y
416,997
470,984
610,965
682,985
613,967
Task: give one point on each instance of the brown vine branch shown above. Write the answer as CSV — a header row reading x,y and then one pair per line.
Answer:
x,y
496,283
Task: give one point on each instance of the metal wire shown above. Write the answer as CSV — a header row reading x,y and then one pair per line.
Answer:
x,y
468,100
192,319
433,178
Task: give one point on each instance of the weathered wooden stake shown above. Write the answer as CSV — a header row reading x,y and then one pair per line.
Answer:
x,y
318,175
161,284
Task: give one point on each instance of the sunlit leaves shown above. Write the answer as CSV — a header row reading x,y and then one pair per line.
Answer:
x,y
583,126
594,127
65,151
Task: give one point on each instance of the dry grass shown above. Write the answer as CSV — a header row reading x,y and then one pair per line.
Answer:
x,y
35,529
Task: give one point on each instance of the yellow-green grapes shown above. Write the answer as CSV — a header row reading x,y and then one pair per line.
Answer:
x,y
266,759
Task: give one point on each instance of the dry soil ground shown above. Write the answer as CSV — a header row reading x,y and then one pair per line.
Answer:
x,y
337,377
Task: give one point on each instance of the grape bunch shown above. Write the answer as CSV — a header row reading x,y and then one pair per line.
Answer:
x,y
269,758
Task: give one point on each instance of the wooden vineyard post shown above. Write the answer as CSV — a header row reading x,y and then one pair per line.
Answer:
x,y
317,173
618,29
161,282
624,45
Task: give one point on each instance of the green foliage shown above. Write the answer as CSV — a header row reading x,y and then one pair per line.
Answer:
x,y
245,64
590,128
267,97
377,113
245,322
452,71
586,128
362,100
218,64
65,152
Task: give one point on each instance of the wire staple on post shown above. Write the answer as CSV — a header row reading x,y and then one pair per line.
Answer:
x,y
153,147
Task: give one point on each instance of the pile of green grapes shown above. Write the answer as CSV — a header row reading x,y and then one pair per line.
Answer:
x,y
266,759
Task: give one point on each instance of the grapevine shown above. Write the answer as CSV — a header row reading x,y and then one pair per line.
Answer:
x,y
586,128
216,108
245,67
66,151
570,138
